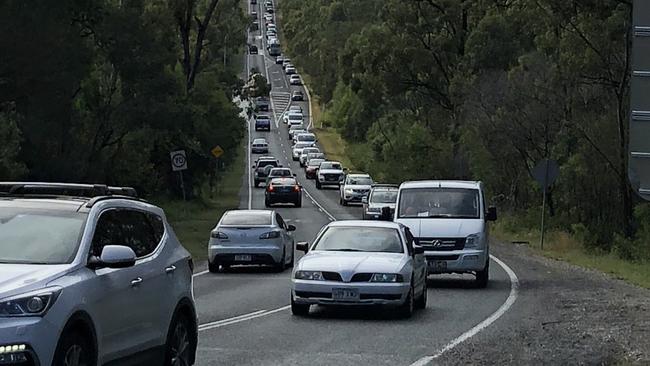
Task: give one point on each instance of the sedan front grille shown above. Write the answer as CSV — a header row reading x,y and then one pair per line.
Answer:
x,y
442,244
361,277
332,276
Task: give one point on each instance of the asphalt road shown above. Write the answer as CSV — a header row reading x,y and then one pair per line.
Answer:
x,y
244,314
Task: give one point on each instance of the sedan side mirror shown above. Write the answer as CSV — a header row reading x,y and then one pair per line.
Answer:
x,y
303,246
291,228
418,249
491,214
114,256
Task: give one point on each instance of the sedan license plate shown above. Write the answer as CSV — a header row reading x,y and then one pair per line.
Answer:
x,y
243,258
345,294
438,266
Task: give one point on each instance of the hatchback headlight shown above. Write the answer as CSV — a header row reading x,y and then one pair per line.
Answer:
x,y
270,235
473,241
309,275
386,277
35,303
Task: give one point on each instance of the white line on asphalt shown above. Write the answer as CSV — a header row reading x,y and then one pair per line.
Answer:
x,y
200,273
319,205
218,322
514,289
241,318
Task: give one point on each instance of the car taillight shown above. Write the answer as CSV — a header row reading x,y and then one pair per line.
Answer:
x,y
270,188
296,188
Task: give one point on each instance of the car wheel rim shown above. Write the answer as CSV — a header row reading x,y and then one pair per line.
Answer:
x,y
180,346
73,356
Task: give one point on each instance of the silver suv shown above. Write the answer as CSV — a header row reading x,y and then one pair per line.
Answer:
x,y
89,275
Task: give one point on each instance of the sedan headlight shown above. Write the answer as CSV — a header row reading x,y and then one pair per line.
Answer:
x,y
309,275
387,277
473,241
270,235
35,303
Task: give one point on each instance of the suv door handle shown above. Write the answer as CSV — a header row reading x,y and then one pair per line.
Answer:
x,y
170,269
136,281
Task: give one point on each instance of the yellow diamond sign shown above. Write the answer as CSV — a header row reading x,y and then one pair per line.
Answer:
x,y
217,151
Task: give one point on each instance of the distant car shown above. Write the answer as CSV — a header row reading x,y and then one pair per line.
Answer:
x,y
271,34
297,96
380,196
290,70
294,118
305,153
262,122
260,146
279,59
259,169
304,137
356,262
295,108
278,173
329,173
297,149
255,26
253,2
311,170
283,190
253,15
262,104
295,80
251,237
354,188
268,17
285,62
294,130
252,50
269,9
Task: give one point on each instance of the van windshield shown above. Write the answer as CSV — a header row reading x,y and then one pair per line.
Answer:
x,y
439,203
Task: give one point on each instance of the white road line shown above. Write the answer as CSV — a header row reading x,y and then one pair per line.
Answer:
x,y
200,273
319,205
514,290
235,320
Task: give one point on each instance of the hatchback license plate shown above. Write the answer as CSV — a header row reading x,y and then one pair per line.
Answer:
x,y
438,266
345,294
243,258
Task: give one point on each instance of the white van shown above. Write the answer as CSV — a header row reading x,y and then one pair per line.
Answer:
x,y
450,220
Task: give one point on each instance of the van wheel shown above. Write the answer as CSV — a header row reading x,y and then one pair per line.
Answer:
x,y
74,349
482,277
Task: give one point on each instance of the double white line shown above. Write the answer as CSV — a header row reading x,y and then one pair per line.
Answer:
x,y
240,318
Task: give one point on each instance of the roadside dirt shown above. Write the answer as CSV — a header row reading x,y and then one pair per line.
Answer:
x,y
564,315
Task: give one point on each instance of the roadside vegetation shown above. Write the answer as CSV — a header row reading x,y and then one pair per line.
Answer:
x,y
485,90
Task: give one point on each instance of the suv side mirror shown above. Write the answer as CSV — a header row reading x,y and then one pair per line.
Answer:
x,y
291,228
491,214
364,200
303,246
114,256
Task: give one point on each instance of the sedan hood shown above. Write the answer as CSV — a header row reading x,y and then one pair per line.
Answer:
x,y
349,263
443,228
18,278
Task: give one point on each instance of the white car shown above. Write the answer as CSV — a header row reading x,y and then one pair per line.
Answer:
x,y
450,220
290,70
295,119
297,149
360,263
354,188
294,130
329,173
295,108
268,17
304,137
305,152
295,80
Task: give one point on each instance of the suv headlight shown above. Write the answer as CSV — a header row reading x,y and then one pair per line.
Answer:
x,y
309,275
35,303
386,277
473,241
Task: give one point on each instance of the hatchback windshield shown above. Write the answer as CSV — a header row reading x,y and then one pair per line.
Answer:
x,y
246,218
360,239
439,203
384,196
38,236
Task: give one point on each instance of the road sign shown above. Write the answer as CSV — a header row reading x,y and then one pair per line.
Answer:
x,y
179,160
217,151
546,172
639,145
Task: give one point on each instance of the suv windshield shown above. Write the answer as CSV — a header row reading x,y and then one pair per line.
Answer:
x,y
384,196
39,236
359,181
439,203
327,165
315,162
360,239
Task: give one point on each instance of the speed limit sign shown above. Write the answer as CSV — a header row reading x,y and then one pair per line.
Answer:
x,y
179,160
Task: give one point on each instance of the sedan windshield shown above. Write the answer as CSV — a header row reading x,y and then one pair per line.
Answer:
x,y
39,237
439,203
360,239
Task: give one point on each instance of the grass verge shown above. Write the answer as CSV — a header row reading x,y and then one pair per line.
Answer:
x,y
333,146
563,246
193,220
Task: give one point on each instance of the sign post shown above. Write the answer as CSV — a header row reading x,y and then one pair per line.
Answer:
x,y
217,152
179,163
545,173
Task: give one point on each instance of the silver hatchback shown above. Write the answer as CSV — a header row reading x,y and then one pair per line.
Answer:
x,y
251,237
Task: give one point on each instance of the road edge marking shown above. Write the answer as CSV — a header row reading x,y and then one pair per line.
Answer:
x,y
241,318
512,297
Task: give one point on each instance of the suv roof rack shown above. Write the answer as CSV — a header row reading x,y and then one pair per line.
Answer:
x,y
94,192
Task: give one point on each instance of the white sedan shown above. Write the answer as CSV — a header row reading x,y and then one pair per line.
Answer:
x,y
360,263
295,80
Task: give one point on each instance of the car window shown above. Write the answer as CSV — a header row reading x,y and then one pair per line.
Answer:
x,y
280,221
39,236
264,163
327,165
246,218
125,227
359,181
158,226
384,196
360,239
410,240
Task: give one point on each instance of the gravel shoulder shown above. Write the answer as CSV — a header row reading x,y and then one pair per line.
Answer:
x,y
564,315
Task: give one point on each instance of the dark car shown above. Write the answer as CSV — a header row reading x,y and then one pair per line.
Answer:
x,y
283,190
279,60
262,104
272,173
252,49
260,169
262,122
297,96
312,168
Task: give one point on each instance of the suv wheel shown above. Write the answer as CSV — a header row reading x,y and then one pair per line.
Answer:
x,y
483,276
178,350
74,349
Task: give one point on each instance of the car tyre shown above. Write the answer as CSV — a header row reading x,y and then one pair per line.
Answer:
x,y
318,185
299,309
421,303
293,257
180,341
74,349
408,307
213,267
281,265
257,184
483,276
267,204
298,203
